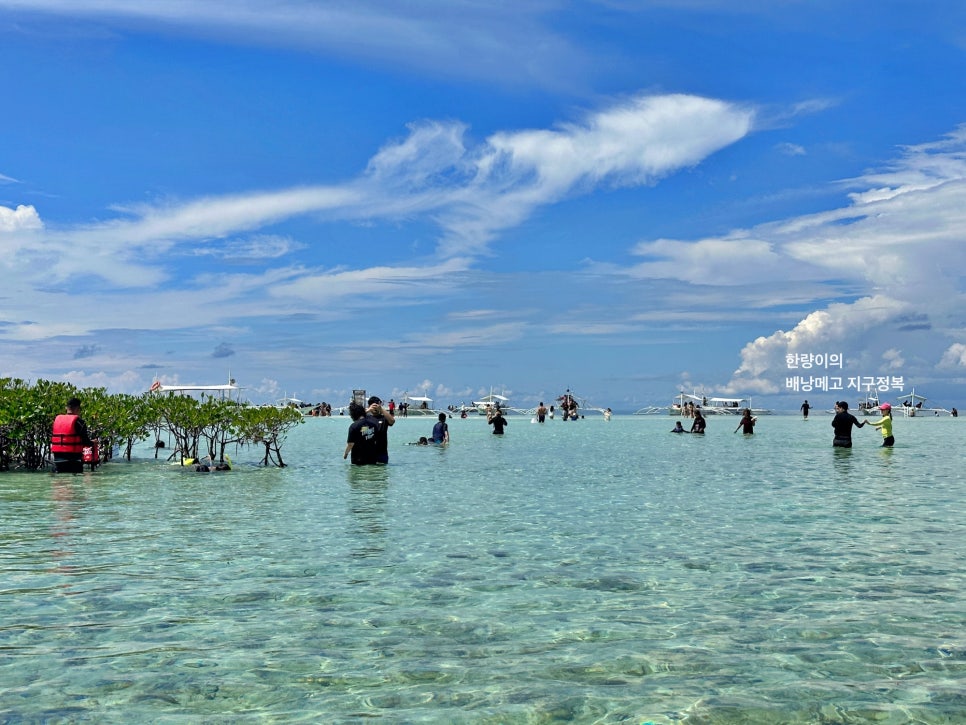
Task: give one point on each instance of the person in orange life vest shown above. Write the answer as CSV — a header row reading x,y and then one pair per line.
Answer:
x,y
69,439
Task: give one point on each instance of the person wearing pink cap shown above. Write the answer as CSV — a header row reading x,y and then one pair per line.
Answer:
x,y
885,425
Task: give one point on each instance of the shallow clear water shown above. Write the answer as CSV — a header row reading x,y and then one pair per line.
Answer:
x,y
568,572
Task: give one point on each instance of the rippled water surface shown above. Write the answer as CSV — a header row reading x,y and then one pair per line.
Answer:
x,y
568,572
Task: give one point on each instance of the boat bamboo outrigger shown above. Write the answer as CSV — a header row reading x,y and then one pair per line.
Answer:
x,y
491,402
298,404
223,391
488,404
685,403
571,406
417,405
869,405
913,406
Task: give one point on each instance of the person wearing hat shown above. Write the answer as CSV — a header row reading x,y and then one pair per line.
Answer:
x,y
382,419
885,425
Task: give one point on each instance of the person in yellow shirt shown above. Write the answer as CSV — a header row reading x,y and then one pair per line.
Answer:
x,y
885,425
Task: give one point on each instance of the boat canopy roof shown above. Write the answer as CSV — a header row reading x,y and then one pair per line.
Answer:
x,y
707,399
911,397
189,388
492,397
420,399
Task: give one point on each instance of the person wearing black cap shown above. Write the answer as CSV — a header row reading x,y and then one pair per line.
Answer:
x,y
382,419
842,425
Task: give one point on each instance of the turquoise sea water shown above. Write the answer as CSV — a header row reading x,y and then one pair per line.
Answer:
x,y
589,571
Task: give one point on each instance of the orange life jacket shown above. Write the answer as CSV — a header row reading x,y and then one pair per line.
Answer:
x,y
65,438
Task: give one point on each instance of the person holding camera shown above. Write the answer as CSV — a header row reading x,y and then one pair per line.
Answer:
x,y
382,419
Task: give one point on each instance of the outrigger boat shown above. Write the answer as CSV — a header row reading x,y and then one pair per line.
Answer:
x,y
295,403
869,405
491,402
417,405
487,405
571,406
223,391
912,406
708,405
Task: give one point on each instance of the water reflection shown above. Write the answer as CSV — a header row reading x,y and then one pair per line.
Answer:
x,y
368,506
842,462
67,498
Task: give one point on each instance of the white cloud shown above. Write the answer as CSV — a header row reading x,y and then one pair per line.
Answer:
x,y
893,359
381,284
129,252
475,193
474,314
23,218
591,329
479,336
827,331
791,149
717,262
635,142
955,356
898,243
813,105
255,247
124,382
472,193
508,42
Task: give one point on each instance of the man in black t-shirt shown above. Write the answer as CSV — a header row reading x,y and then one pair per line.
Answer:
x,y
381,419
361,441
498,422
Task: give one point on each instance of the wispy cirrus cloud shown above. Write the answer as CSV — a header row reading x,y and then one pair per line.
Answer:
x,y
144,261
509,44
495,186
471,192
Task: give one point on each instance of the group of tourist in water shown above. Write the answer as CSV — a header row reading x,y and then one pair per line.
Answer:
x,y
698,423
368,438
842,424
368,441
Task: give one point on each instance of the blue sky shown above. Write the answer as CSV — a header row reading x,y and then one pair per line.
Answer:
x,y
443,197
